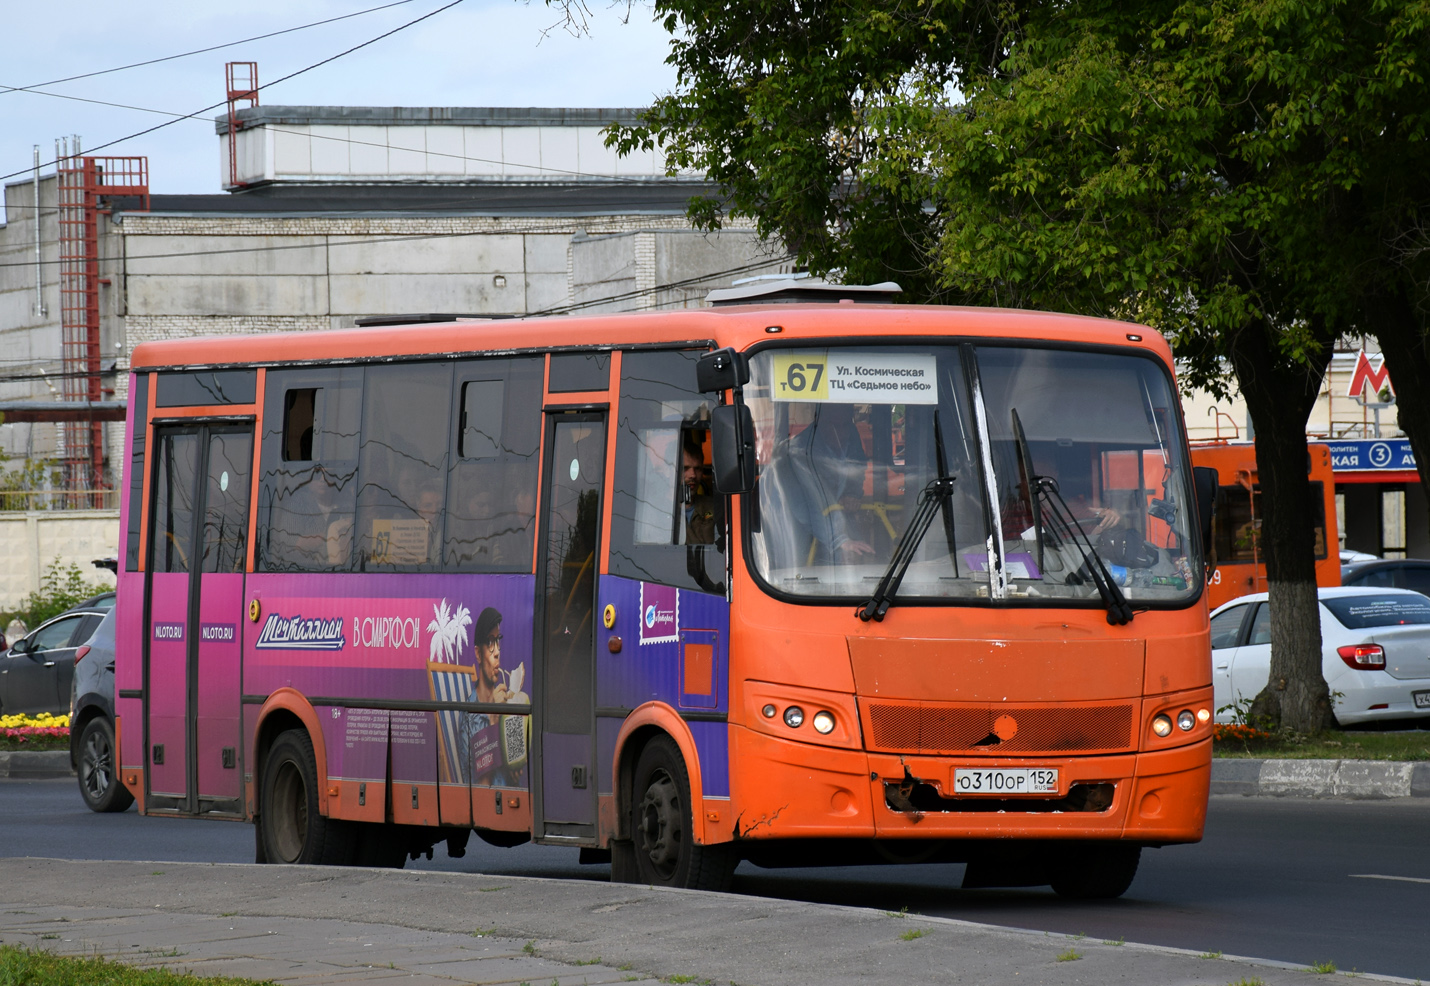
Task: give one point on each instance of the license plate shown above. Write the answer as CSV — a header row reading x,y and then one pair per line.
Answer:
x,y
1422,699
1005,780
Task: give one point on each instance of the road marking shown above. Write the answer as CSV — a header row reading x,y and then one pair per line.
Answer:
x,y
1382,876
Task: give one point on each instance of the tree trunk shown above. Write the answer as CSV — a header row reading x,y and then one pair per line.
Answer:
x,y
1279,396
1402,337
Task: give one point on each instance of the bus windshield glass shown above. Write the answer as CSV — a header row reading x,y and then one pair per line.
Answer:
x,y
1063,461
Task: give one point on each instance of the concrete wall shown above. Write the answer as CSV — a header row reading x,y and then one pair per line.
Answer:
x,y
33,541
664,269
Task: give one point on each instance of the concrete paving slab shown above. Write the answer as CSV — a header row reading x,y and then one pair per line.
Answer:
x,y
311,925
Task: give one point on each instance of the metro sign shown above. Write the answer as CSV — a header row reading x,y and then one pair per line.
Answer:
x,y
1378,378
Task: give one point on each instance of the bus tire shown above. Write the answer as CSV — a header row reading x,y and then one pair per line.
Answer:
x,y
98,769
292,828
1095,871
662,827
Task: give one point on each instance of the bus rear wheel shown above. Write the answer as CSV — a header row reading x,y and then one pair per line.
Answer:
x,y
1095,871
292,829
662,825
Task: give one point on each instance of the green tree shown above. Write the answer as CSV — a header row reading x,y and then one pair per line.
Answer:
x,y
1197,166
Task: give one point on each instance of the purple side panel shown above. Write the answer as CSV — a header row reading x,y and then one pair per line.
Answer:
x,y
220,633
606,732
712,740
168,681
651,672
356,741
129,665
560,801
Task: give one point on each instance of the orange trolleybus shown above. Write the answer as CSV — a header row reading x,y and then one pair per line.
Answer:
x,y
786,583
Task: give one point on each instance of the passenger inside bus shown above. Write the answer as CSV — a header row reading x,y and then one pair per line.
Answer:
x,y
701,507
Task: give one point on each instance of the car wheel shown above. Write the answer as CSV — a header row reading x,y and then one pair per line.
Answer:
x,y
292,829
98,773
662,828
1095,871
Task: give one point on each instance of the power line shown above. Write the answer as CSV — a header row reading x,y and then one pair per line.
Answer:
x,y
197,51
214,106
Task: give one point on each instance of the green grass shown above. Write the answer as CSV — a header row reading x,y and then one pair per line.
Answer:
x,y
15,744
1253,981
1210,955
1323,968
1331,746
529,948
1071,955
913,933
39,968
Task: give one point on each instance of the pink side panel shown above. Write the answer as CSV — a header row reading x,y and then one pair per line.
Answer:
x,y
220,633
129,667
168,681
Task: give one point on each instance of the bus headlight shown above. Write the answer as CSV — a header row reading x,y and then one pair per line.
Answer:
x,y
794,717
823,723
768,711
1186,721
1162,725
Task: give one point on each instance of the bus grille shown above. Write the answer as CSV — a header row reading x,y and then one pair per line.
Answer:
x,y
964,729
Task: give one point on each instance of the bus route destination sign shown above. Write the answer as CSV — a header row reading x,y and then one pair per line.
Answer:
x,y
849,376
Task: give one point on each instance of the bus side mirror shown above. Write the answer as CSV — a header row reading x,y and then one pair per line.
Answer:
x,y
1205,482
721,370
732,448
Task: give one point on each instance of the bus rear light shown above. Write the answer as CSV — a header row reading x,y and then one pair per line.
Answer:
x,y
79,654
794,717
1363,657
823,723
1186,721
1162,725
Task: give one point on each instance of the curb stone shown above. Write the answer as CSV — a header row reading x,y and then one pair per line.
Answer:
x,y
35,764
1353,779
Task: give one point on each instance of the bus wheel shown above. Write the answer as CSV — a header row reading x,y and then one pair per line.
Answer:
x,y
292,829
662,827
1095,871
98,773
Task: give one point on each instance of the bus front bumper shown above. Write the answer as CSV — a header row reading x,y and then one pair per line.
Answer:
x,y
798,790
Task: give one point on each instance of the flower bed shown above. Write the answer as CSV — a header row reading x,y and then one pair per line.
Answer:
x,y
41,732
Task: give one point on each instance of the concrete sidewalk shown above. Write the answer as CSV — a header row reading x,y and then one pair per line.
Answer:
x,y
328,925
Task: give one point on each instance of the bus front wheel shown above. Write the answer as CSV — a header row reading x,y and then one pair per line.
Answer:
x,y
662,825
1095,871
292,829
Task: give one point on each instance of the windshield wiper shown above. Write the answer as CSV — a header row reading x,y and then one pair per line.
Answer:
x,y
931,499
1027,480
1060,518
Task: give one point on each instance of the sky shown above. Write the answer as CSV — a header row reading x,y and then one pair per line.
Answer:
x,y
477,53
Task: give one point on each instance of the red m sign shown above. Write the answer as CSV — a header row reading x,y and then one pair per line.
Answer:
x,y
1378,378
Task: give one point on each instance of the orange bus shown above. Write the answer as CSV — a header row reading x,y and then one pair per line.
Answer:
x,y
800,583
1236,567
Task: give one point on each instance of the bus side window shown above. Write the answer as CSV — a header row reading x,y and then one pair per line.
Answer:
x,y
491,487
308,470
667,522
402,466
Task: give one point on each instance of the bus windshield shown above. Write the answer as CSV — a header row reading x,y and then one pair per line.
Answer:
x,y
1063,462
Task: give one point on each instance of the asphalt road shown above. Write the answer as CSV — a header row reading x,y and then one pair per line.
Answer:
x,y
1299,881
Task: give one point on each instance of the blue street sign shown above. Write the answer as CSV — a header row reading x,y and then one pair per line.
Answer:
x,y
1388,455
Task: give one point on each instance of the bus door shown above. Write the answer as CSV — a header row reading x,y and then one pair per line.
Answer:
x,y
564,786
193,612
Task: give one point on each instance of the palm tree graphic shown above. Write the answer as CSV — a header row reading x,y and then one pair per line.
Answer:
x,y
449,632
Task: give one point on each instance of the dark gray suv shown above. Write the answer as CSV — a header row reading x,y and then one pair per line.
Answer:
x,y
92,749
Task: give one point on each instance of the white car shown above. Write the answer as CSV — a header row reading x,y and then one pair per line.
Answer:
x,y
1375,652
